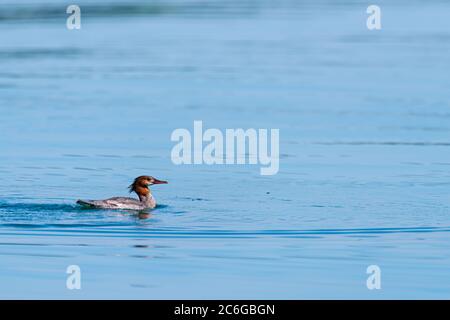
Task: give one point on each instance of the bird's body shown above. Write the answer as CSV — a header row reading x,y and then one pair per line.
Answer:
x,y
140,186
119,203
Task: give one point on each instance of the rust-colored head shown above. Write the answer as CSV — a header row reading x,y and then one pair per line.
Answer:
x,y
141,184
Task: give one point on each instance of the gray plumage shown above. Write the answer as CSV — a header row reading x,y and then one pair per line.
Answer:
x,y
119,203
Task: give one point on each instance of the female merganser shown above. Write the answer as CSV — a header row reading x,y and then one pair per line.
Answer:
x,y
140,186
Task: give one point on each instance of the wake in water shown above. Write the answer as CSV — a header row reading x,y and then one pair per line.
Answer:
x,y
45,214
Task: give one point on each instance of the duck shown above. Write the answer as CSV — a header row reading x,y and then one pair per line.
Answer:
x,y
140,186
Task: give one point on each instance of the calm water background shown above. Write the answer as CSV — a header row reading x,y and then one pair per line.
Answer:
x,y
364,119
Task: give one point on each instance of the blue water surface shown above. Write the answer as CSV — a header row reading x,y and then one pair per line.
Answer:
x,y
364,119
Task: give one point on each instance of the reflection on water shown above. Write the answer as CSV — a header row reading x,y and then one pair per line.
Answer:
x,y
363,172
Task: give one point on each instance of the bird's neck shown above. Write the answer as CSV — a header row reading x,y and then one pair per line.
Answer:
x,y
146,198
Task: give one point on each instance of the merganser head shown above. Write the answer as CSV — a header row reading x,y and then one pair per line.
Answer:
x,y
141,184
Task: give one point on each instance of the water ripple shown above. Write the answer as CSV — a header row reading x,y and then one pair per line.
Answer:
x,y
97,230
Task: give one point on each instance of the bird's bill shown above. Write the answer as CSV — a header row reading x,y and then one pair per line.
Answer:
x,y
156,181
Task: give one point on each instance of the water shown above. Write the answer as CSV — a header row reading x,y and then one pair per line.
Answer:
x,y
364,174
